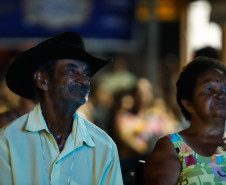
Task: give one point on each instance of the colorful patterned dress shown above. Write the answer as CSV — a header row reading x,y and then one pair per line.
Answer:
x,y
197,169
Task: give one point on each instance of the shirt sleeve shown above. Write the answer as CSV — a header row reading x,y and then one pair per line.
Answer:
x,y
113,174
5,167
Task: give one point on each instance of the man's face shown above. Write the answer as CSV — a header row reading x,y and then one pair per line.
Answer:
x,y
70,85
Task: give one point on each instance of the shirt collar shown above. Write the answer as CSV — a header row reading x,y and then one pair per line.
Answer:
x,y
36,121
80,134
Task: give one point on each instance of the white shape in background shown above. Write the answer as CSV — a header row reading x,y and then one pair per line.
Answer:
x,y
200,31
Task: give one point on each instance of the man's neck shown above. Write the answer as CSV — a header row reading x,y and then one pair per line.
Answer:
x,y
59,122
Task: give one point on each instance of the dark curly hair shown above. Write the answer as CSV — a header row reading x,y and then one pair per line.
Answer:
x,y
188,79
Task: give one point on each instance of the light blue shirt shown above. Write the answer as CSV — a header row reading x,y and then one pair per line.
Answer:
x,y
29,154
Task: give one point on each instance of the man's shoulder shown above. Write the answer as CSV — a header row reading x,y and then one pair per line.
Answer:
x,y
97,133
14,126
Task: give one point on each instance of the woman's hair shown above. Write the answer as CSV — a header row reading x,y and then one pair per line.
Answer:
x,y
49,69
188,79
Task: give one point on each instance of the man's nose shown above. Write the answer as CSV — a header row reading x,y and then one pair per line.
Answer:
x,y
83,79
221,94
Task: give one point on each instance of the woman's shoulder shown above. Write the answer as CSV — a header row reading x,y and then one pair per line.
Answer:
x,y
168,143
163,161
174,138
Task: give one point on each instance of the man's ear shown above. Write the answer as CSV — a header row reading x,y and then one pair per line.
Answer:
x,y
188,105
41,80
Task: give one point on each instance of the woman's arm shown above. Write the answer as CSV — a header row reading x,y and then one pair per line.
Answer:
x,y
162,166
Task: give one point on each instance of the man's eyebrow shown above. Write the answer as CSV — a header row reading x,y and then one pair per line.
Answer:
x,y
87,70
72,65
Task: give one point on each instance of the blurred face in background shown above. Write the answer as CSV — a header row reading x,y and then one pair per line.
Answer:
x,y
145,92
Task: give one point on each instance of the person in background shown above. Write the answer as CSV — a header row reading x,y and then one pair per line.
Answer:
x,y
25,105
116,79
208,51
53,144
140,119
195,155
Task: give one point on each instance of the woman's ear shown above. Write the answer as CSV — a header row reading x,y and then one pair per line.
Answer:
x,y
188,105
41,80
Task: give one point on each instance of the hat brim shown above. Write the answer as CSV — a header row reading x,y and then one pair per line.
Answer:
x,y
19,77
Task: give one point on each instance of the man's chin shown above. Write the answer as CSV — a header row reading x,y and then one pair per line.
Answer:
x,y
79,103
221,115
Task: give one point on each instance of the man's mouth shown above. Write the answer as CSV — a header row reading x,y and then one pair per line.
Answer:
x,y
82,88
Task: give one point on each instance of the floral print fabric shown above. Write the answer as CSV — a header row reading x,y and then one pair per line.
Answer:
x,y
197,169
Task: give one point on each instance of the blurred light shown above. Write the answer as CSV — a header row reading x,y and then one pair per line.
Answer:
x,y
143,11
57,13
167,10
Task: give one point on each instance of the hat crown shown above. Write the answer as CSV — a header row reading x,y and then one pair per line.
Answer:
x,y
67,45
69,38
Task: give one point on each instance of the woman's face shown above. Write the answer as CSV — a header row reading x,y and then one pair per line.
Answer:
x,y
209,98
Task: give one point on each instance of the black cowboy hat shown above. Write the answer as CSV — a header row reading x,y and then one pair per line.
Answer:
x,y
67,45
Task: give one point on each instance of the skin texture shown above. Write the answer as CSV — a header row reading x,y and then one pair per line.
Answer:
x,y
204,136
62,95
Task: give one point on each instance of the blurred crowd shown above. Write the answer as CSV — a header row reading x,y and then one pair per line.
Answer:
x,y
125,106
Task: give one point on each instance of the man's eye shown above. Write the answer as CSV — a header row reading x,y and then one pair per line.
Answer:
x,y
72,71
86,75
209,89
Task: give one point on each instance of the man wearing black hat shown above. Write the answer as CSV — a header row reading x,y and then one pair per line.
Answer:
x,y
53,144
